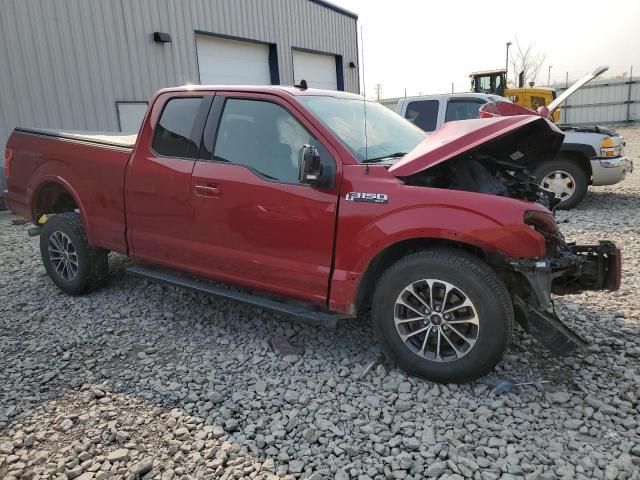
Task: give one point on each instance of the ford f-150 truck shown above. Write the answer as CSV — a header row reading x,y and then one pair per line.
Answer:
x,y
320,205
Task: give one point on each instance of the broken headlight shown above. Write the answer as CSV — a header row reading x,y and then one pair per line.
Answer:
x,y
545,224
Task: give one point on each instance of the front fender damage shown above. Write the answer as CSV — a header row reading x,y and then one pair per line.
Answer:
x,y
571,269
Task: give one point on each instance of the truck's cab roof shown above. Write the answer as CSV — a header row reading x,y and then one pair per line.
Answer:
x,y
447,96
273,89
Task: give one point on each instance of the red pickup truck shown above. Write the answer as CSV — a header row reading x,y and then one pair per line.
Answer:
x,y
319,205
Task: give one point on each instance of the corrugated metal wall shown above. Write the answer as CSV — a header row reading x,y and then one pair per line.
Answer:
x,y
65,63
603,102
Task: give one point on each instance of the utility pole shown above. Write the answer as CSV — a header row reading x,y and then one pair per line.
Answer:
x,y
629,96
506,65
549,76
378,90
451,87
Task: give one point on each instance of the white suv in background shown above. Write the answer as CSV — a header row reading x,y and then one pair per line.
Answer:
x,y
588,156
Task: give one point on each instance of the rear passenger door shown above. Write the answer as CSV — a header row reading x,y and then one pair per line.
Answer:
x,y
160,216
258,226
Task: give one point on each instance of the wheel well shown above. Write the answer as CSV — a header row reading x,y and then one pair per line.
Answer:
x,y
581,159
578,158
53,198
393,253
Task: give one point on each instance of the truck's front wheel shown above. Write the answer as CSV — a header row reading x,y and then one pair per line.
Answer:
x,y
565,179
74,266
443,315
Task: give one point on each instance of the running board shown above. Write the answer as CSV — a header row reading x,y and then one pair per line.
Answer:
x,y
300,311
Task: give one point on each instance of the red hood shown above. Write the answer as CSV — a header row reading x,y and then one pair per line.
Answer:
x,y
527,134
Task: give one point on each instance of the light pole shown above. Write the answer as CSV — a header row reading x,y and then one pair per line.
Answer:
x,y
549,76
506,64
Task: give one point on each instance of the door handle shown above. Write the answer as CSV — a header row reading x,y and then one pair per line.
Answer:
x,y
208,190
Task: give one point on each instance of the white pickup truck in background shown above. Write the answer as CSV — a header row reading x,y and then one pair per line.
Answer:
x,y
588,156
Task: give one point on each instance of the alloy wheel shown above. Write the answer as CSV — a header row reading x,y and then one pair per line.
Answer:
x,y
561,183
63,255
436,320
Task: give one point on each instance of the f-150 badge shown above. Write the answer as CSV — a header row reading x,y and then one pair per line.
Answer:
x,y
367,197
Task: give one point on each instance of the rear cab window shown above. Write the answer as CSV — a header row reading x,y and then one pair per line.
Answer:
x,y
172,136
423,114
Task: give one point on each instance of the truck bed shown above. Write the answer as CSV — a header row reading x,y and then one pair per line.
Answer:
x,y
49,166
113,139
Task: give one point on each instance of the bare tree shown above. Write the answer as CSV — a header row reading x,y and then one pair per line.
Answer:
x,y
525,60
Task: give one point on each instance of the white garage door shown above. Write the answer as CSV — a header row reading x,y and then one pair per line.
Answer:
x,y
232,62
318,70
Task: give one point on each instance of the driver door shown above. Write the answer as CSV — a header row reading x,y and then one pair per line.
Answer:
x,y
257,225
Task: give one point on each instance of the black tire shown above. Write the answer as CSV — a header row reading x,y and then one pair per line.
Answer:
x,y
489,297
92,262
576,174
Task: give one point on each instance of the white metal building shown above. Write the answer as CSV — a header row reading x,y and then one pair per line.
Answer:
x,y
92,64
603,102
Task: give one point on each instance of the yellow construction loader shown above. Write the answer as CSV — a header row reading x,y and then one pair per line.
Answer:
x,y
495,82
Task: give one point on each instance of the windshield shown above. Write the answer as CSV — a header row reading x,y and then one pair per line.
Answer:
x,y
388,134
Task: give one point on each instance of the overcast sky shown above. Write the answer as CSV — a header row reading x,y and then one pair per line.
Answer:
x,y
423,46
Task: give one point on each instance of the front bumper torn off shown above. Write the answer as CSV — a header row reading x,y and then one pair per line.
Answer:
x,y
577,268
573,269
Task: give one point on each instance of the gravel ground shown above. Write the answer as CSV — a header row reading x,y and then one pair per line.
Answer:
x,y
142,380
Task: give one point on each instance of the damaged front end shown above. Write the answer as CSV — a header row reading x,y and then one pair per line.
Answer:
x,y
492,156
568,269
587,267
495,156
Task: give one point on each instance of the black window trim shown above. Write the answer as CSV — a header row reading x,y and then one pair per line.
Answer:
x,y
198,124
215,115
217,110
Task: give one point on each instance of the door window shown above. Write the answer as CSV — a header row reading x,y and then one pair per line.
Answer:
x,y
484,85
462,109
537,102
172,137
263,136
498,88
423,113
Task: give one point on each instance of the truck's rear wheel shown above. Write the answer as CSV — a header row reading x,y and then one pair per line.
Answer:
x,y
565,179
74,266
443,315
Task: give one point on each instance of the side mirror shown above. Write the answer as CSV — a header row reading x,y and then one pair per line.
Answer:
x,y
310,166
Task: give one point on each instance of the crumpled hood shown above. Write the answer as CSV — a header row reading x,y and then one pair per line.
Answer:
x,y
519,137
